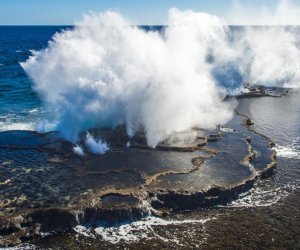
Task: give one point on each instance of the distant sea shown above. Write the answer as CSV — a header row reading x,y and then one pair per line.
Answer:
x,y
20,107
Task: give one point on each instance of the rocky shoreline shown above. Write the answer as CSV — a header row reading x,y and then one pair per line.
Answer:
x,y
45,187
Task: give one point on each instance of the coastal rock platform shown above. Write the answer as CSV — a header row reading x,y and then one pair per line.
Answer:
x,y
46,187
252,90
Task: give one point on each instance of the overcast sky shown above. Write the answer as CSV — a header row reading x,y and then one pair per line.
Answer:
x,y
55,12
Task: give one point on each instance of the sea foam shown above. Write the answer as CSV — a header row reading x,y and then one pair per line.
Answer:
x,y
135,231
291,150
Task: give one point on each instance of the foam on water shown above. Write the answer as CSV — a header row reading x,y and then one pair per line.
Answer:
x,y
291,150
26,119
4,126
269,192
24,246
264,195
35,110
135,231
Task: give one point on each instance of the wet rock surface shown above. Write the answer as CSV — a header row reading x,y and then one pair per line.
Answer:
x,y
45,186
261,91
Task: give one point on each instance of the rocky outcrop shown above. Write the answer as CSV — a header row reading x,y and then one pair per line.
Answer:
x,y
252,90
46,187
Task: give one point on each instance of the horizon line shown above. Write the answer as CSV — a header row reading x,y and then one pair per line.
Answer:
x,y
162,25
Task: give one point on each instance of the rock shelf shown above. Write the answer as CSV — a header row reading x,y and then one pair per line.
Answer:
x,y
46,187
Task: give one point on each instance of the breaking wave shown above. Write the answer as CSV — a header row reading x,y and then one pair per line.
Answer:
x,y
5,126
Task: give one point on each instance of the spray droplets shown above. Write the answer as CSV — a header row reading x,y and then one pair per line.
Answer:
x,y
78,150
91,145
96,147
106,72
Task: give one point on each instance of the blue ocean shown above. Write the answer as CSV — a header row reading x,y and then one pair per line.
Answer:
x,y
271,207
20,106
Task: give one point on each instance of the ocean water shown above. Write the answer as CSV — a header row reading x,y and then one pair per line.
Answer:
x,y
20,106
265,217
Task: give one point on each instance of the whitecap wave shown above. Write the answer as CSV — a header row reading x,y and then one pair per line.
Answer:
x,y
17,126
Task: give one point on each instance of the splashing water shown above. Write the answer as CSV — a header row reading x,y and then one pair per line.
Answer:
x,y
78,150
45,126
95,147
291,150
106,72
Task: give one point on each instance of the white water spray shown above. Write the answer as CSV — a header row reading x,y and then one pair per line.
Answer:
x,y
105,72
96,147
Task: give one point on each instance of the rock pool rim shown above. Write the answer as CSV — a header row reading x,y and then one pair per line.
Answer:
x,y
149,201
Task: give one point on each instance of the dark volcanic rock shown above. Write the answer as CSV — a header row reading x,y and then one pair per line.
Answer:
x,y
247,122
260,91
45,187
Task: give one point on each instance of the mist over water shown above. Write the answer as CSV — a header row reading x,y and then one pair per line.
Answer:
x,y
105,72
271,56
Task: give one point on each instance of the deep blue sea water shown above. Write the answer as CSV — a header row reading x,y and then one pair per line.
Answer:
x,y
20,107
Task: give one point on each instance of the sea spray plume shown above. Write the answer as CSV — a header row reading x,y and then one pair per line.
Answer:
x,y
45,126
96,147
193,99
105,72
271,56
268,55
78,150
286,12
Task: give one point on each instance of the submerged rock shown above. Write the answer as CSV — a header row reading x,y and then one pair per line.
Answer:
x,y
46,187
